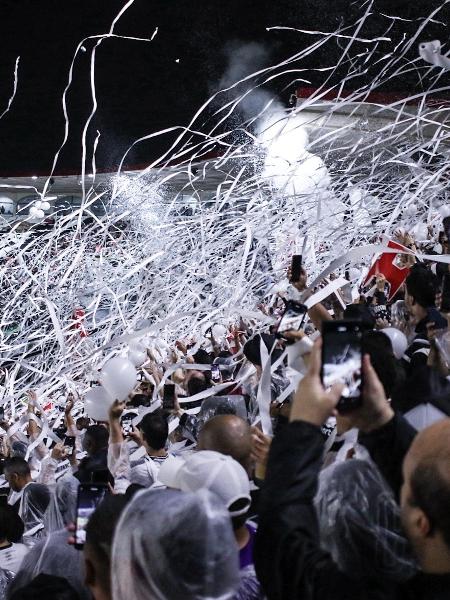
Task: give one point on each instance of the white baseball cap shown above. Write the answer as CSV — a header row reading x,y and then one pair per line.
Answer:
x,y
210,470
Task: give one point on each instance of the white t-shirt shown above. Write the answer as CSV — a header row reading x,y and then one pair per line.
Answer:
x,y
11,557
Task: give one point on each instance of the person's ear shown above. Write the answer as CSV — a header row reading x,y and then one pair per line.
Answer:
x,y
421,523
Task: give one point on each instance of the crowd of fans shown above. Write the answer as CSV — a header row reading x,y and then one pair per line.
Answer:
x,y
230,471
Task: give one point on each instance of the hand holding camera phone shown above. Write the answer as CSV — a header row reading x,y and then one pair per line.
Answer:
x,y
292,319
69,444
296,270
169,397
215,373
127,424
342,361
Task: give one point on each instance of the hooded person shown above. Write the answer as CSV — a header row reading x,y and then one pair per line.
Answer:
x,y
177,545
225,477
61,510
28,498
53,556
359,522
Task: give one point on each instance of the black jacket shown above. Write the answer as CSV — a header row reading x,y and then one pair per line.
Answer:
x,y
289,561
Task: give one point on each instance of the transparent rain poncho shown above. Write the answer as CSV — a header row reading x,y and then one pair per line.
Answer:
x,y
62,507
5,579
53,556
172,545
33,504
360,523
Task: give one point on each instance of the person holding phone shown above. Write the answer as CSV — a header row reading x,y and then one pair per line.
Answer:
x,y
153,432
288,539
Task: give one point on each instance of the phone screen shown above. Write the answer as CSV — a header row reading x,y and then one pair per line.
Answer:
x,y
342,361
296,267
169,396
215,373
292,318
127,425
89,497
69,443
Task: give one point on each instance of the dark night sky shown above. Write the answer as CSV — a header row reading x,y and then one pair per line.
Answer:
x,y
140,87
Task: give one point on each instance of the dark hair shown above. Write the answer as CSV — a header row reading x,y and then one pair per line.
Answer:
x,y
11,525
17,465
422,286
45,586
98,435
201,357
103,521
82,422
252,348
155,430
431,492
379,347
133,489
196,385
139,400
239,521
100,532
360,312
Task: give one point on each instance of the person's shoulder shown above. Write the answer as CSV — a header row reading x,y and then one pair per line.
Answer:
x,y
20,548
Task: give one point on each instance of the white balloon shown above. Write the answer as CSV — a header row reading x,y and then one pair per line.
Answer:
x,y
33,211
45,205
39,214
137,357
38,204
354,273
411,210
444,210
118,377
97,403
420,231
398,340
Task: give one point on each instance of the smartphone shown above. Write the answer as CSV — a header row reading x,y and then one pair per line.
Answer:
x,y
168,402
127,425
69,443
445,303
215,373
2,413
293,318
342,360
89,497
296,267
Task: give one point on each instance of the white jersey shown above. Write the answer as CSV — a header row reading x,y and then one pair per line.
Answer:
x,y
11,557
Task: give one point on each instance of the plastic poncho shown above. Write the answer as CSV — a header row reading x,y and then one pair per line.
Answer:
x,y
360,523
177,545
33,504
5,579
53,556
63,502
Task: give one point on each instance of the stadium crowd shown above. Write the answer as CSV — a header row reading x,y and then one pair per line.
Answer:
x,y
233,470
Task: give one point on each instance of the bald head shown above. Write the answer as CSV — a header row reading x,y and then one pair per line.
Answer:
x,y
427,478
230,435
433,444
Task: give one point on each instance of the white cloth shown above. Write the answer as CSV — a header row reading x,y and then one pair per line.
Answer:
x,y
144,473
12,556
